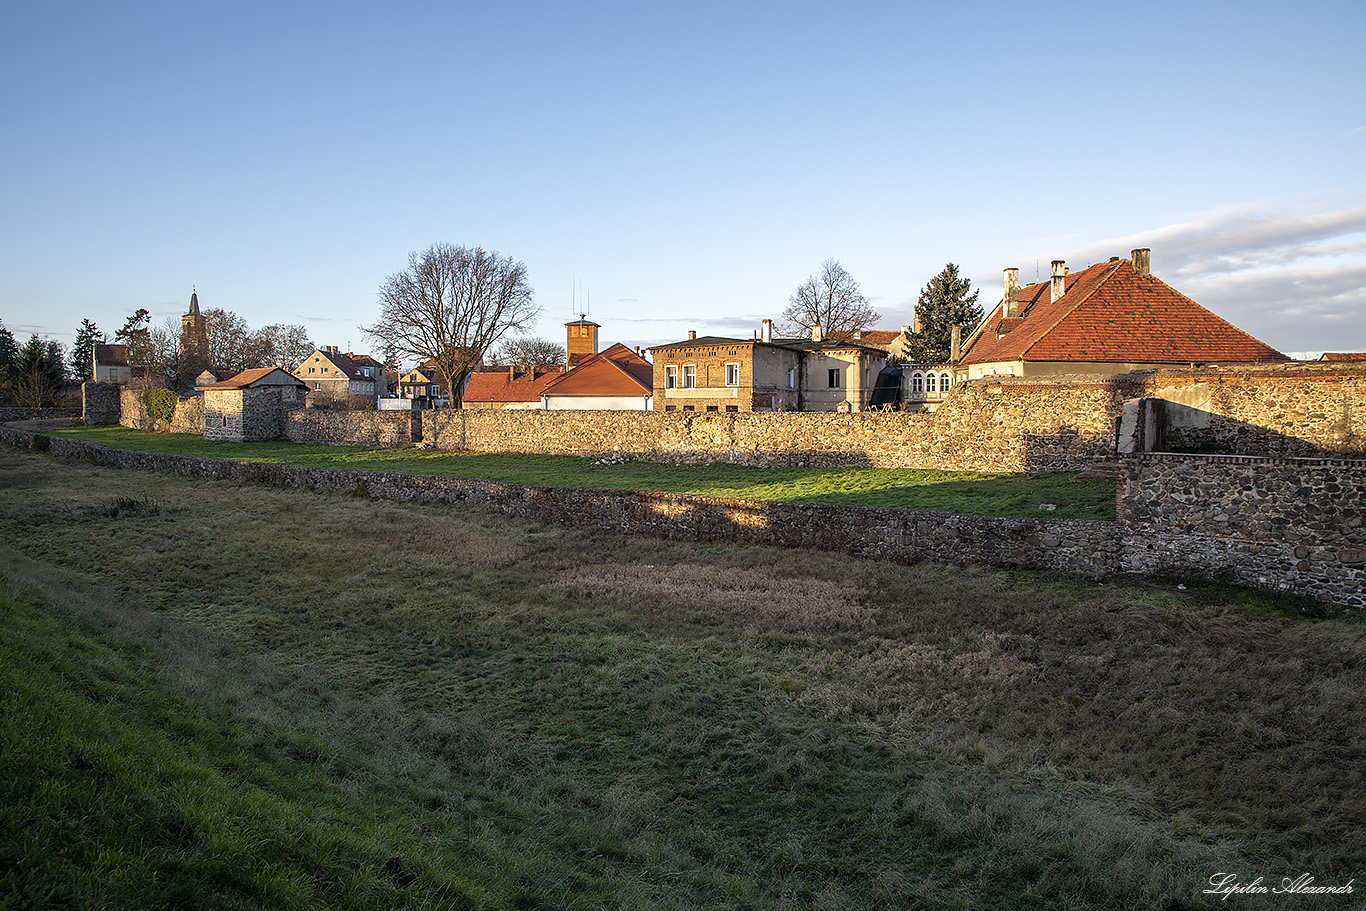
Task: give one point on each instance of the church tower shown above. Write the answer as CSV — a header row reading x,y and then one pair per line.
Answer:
x,y
194,342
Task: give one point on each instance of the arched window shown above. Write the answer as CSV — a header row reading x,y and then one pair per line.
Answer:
x,y
929,382
945,381
917,382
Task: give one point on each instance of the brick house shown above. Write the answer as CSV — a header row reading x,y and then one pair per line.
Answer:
x,y
713,373
1109,318
251,406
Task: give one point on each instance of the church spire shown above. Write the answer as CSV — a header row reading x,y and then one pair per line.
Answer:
x,y
194,303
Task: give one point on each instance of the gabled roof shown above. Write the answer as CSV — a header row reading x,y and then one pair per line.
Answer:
x,y
705,341
869,338
826,344
256,377
509,385
1109,313
1344,356
111,355
616,371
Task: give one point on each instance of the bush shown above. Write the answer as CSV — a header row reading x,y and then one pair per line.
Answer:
x,y
160,405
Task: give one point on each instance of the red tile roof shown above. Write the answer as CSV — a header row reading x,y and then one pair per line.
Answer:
x,y
249,377
1344,356
1111,314
871,338
503,386
617,371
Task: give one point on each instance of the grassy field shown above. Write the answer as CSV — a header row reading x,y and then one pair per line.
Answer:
x,y
964,492
218,695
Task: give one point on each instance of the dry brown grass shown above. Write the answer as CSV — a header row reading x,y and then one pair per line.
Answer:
x,y
686,697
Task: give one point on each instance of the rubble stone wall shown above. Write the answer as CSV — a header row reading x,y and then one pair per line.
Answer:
x,y
1165,525
23,413
101,403
1292,525
189,412
317,426
1304,409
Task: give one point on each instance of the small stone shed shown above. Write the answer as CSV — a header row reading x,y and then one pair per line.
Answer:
x,y
251,406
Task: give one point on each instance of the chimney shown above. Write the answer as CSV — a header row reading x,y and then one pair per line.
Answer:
x,y
766,332
858,335
915,327
956,344
692,334
1059,280
1010,306
1143,258
816,332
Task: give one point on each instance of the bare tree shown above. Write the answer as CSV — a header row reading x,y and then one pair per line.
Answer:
x,y
831,300
451,305
526,352
230,342
279,345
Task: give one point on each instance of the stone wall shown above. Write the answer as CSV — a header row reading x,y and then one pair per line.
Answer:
x,y
21,413
101,403
189,412
316,426
1304,409
1292,525
1028,426
1175,518
253,414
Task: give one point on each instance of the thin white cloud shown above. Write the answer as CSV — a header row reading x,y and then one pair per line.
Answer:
x,y
1296,280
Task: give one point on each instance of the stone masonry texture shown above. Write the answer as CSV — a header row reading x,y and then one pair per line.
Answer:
x,y
1170,510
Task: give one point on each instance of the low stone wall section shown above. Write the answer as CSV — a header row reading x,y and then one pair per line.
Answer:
x,y
20,413
1293,525
101,403
189,413
323,427
1327,563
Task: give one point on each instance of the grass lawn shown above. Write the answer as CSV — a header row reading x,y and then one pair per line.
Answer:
x,y
948,491
219,695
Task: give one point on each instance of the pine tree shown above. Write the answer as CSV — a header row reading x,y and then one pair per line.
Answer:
x,y
9,365
41,368
944,303
87,337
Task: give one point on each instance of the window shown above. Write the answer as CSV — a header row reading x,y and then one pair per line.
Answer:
x,y
712,408
670,377
732,374
834,378
310,369
670,407
689,376
945,380
689,408
732,407
917,382
930,382
792,378
317,387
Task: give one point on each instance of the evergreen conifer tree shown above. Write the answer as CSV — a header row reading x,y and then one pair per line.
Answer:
x,y
944,303
87,337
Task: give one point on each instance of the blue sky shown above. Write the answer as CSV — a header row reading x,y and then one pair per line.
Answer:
x,y
682,166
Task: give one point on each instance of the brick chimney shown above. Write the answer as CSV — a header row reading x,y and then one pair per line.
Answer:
x,y
692,335
766,332
816,332
1010,305
1143,258
1059,286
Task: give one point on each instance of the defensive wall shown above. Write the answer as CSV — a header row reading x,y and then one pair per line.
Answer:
x,y
24,413
1000,424
1177,515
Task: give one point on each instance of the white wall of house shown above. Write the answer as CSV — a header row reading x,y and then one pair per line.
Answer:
x,y
597,402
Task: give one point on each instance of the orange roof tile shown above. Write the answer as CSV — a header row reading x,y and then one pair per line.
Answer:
x,y
1344,356
248,377
616,371
504,386
1110,313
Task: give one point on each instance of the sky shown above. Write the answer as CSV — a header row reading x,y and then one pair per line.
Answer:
x,y
675,167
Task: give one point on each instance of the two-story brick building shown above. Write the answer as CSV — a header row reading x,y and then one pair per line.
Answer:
x,y
714,373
